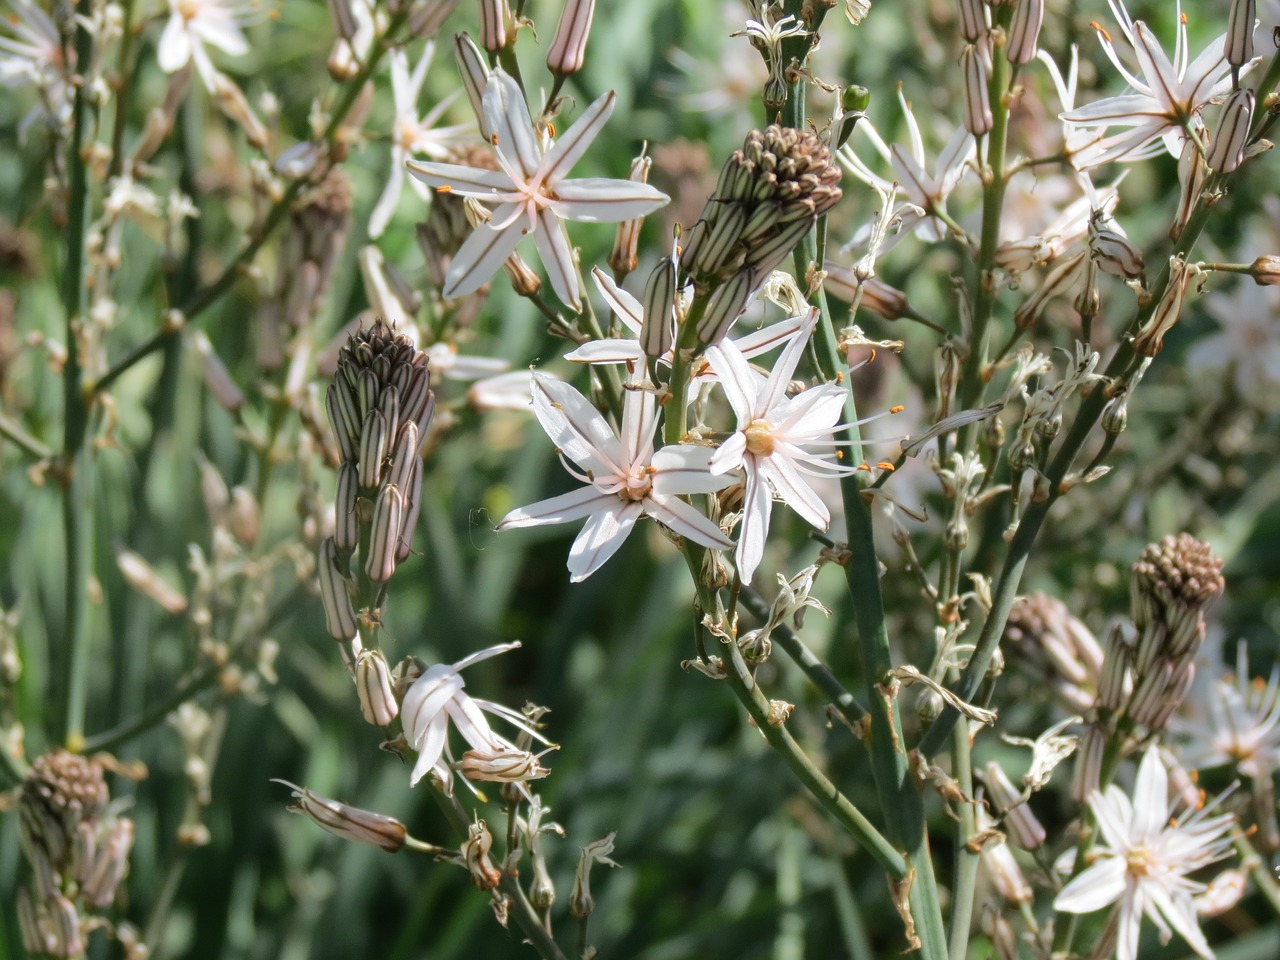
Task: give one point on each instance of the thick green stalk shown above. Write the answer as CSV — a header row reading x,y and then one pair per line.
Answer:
x,y
966,866
77,457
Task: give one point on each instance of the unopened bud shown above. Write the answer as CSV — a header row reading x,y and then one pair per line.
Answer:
x,y
502,764
244,518
626,240
1115,415
977,105
570,44
373,686
346,531
1113,682
217,379
524,281
339,614
1266,271
726,305
233,103
1238,47
1020,823
384,534
1088,771
973,20
495,15
1227,150
1192,172
143,577
656,328
1004,942
1024,31
350,823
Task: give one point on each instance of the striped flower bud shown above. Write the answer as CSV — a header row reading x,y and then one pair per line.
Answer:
x,y
1019,822
339,614
569,47
1238,46
1227,150
1150,337
1024,31
1111,250
1113,683
977,104
495,15
1088,771
658,321
1266,271
502,764
384,534
973,19
346,528
373,686
1192,172
350,823
726,305
623,258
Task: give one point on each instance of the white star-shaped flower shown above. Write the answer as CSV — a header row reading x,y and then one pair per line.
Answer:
x,y
624,477
1166,99
193,23
531,192
1149,846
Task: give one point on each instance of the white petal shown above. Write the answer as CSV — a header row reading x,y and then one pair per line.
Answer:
x,y
1128,109
766,338
576,427
686,521
1100,885
639,420
600,538
470,722
1130,924
1180,913
174,48
780,377
386,205
813,412
729,455
564,508
569,149
741,384
507,115
686,468
557,258
1150,795
223,34
481,256
1159,72
794,491
624,306
603,200
467,181
754,529
607,351
431,748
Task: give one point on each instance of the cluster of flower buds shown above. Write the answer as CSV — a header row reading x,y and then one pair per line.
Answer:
x,y
1172,584
768,197
379,405
1058,647
77,848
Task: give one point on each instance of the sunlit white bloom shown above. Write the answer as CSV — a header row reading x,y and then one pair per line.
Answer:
x,y
924,190
448,363
193,23
531,192
630,314
772,440
1236,723
621,476
1149,846
1167,95
437,699
411,135
33,55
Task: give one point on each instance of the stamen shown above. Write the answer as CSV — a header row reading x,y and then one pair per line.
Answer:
x,y
1102,30
445,188
897,409
494,139
886,465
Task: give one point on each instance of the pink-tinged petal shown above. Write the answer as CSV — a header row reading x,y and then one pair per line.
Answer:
x,y
754,528
953,163
482,255
223,34
918,185
507,116
741,384
684,520
467,181
605,200
686,468
624,306
601,537
557,258
565,508
1161,76
174,49
573,143
386,205
1099,886
766,338
607,351
1127,110
775,390
794,491
576,427
639,420
1180,913
729,455
1150,795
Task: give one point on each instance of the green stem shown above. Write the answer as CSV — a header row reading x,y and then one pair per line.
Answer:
x,y
966,866
77,457
18,436
125,78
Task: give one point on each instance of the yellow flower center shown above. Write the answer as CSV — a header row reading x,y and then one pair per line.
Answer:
x,y
1139,862
638,484
759,437
189,9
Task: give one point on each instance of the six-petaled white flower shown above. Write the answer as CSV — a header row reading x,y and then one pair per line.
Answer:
x,y
624,477
1143,861
1167,96
531,192
193,23
1236,723
770,445
437,699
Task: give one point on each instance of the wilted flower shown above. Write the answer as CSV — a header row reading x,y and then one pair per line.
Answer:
x,y
350,823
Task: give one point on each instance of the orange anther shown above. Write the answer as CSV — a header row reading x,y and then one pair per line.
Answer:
x,y
444,189
1097,26
898,409
886,465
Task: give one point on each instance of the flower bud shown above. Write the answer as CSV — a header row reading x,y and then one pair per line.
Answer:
x,y
346,530
1019,822
623,257
502,764
524,280
1113,684
344,420
373,686
570,44
1088,771
374,440
1227,149
1172,583
1024,31
384,534
339,614
1238,47
726,305
973,19
1266,271
998,862
412,495
495,15
143,577
244,517
977,105
1192,171
1115,415
350,823
217,379
656,328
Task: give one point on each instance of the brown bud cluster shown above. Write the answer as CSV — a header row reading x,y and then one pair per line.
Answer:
x,y
1057,646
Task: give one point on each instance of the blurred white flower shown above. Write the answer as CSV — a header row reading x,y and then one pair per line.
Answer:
x,y
622,476
1233,721
1167,95
532,193
1247,346
1149,846
34,55
193,23
437,699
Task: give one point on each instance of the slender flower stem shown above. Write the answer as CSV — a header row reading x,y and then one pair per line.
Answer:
x,y
814,668
77,457
125,78
18,436
966,866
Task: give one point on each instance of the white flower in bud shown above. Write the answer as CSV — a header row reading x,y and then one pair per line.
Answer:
x,y
657,329
1088,769
1238,43
1227,150
569,47
973,19
339,614
623,258
977,105
1020,823
502,763
373,686
384,534
217,379
1024,31
999,864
